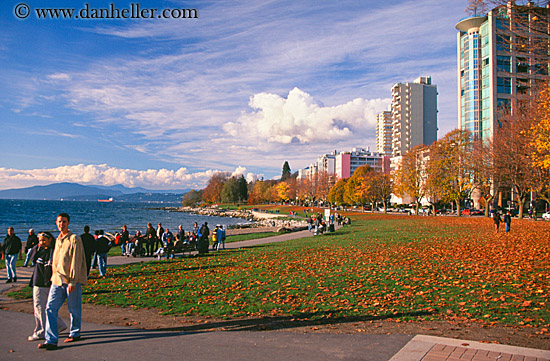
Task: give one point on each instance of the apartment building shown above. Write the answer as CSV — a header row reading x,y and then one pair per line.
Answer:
x,y
414,115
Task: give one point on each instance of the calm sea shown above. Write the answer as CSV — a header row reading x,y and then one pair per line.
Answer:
x,y
40,215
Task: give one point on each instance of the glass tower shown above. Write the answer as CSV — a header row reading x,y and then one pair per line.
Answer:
x,y
500,57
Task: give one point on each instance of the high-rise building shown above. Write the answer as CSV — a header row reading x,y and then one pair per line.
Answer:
x,y
384,130
414,115
501,56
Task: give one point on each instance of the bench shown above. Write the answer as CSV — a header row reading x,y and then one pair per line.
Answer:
x,y
179,247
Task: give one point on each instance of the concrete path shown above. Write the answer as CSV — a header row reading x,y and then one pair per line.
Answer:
x,y
104,342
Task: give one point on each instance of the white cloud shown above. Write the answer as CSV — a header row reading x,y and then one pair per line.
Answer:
x,y
103,174
300,119
59,76
185,82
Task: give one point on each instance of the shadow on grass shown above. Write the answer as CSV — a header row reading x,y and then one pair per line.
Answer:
x,y
127,334
155,272
287,322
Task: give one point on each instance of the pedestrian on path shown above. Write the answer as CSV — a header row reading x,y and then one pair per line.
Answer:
x,y
507,221
32,240
497,220
102,246
41,255
88,241
69,274
12,248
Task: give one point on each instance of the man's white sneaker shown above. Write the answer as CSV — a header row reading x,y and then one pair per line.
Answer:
x,y
34,338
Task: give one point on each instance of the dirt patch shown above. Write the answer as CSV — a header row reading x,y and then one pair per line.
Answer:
x,y
151,319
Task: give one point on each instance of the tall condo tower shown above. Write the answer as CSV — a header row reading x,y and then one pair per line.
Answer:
x,y
414,115
501,56
384,132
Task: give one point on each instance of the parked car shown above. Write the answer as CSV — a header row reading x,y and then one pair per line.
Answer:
x,y
546,216
471,212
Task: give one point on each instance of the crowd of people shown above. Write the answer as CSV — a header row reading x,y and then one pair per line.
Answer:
x,y
318,224
62,266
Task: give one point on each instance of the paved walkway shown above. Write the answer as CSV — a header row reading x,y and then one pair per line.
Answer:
x,y
104,342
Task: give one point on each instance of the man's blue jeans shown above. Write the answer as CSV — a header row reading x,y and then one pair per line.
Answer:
x,y
11,259
102,262
28,258
57,296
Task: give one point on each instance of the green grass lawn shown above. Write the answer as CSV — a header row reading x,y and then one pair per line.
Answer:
x,y
405,268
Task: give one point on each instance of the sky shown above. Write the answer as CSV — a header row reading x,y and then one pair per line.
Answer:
x,y
243,87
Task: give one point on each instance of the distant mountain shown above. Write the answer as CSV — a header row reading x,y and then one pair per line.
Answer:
x,y
75,191
54,191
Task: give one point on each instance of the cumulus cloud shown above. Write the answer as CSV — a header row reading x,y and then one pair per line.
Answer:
x,y
103,174
300,119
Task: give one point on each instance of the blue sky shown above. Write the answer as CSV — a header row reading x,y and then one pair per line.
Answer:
x,y
164,103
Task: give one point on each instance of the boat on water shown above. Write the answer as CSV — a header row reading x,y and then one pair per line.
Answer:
x,y
106,200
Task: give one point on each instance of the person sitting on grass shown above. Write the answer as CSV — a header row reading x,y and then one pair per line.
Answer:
x,y
41,256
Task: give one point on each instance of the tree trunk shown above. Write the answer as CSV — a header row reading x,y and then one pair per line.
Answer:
x,y
520,210
458,208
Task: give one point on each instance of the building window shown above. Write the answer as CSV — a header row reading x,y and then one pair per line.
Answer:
x,y
503,103
503,63
504,85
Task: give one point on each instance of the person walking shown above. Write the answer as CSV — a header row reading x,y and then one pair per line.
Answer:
x,y
88,241
102,246
12,248
32,241
507,221
69,274
496,220
41,255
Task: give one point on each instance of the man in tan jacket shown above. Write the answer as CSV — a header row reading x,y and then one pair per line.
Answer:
x,y
69,274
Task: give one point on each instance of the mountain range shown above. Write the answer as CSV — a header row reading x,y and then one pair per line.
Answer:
x,y
75,191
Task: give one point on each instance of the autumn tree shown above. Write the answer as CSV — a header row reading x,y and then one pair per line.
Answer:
x,y
450,169
382,188
513,152
282,191
260,192
486,180
359,186
336,193
540,130
323,184
410,176
212,192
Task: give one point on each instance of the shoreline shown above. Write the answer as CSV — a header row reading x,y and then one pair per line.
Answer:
x,y
259,221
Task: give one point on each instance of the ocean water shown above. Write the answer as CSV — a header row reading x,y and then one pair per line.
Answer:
x,y
41,215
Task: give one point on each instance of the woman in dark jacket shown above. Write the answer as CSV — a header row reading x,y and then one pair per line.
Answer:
x,y
41,255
